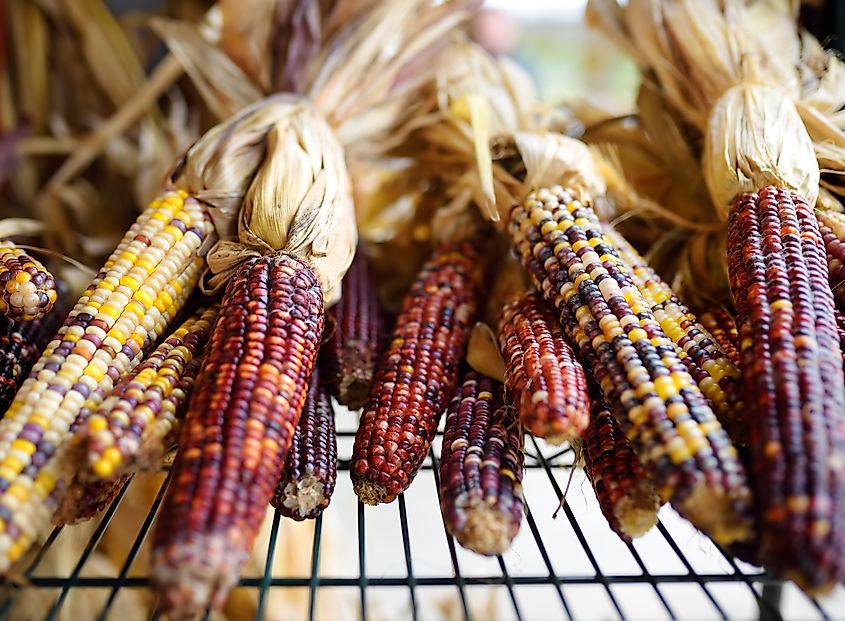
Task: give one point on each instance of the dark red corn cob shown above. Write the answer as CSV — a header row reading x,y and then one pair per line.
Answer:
x,y
21,343
417,374
541,373
238,428
793,384
722,328
85,500
626,495
481,467
832,227
351,352
307,482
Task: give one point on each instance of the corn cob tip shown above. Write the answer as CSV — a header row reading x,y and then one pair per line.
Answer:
x,y
371,493
487,530
302,497
637,511
716,514
355,383
84,501
192,577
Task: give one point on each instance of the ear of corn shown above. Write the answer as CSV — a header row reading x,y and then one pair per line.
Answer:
x,y
722,328
135,295
481,467
832,228
547,384
417,373
21,343
239,425
626,495
707,364
649,390
84,500
307,482
135,425
793,385
351,352
28,289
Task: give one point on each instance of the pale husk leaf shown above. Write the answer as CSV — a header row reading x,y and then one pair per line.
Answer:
x,y
554,159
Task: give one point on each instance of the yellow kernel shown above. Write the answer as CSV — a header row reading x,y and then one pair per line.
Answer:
x,y
95,372
637,334
103,468
128,281
25,446
97,423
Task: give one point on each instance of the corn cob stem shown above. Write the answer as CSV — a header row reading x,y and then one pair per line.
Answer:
x,y
722,328
481,467
417,373
793,377
307,482
832,228
707,364
135,295
28,289
626,495
135,425
658,405
351,352
547,383
240,423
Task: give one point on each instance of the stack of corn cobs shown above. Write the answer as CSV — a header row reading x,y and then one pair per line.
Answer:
x,y
735,416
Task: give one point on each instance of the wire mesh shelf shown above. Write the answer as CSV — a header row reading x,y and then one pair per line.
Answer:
x,y
397,561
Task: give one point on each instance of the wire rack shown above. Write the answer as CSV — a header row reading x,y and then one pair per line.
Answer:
x,y
398,562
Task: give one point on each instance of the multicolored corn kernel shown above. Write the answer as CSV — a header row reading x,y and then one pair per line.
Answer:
x,y
710,367
546,382
660,408
136,423
85,500
793,385
21,343
27,289
417,374
626,495
722,328
307,482
238,428
351,353
832,228
129,304
481,467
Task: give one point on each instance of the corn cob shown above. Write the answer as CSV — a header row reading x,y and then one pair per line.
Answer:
x,y
658,405
547,384
136,423
21,343
832,228
481,467
135,295
793,378
307,482
624,490
710,367
239,425
351,352
722,328
417,374
28,289
85,500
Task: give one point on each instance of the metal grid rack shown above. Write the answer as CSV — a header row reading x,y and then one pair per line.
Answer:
x,y
569,567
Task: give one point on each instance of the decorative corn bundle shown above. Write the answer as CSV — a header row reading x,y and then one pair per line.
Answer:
x,y
135,295
671,427
832,226
352,350
21,343
86,500
29,290
418,371
481,467
624,490
134,426
793,376
547,383
710,367
722,328
307,482
237,431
